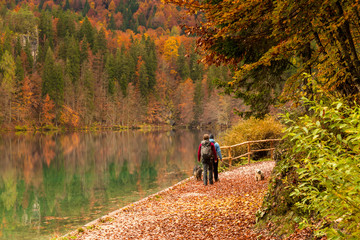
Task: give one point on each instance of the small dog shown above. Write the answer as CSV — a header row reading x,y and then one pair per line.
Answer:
x,y
259,175
197,172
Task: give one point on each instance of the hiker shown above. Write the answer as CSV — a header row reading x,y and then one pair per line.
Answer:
x,y
216,163
207,154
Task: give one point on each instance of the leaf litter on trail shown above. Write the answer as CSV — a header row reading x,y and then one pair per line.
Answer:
x,y
224,210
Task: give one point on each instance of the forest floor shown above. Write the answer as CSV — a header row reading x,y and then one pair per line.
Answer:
x,y
190,210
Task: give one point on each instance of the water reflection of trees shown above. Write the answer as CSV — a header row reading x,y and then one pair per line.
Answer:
x,y
71,176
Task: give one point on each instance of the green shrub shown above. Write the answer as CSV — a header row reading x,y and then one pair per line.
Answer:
x,y
21,128
250,130
325,152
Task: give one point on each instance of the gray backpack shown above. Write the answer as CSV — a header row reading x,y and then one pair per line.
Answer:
x,y
206,152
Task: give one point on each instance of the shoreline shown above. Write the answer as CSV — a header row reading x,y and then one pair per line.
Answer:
x,y
113,213
152,216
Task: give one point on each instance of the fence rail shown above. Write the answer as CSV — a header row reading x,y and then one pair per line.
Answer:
x,y
249,151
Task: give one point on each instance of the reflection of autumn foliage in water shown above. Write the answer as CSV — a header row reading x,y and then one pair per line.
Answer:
x,y
78,177
48,150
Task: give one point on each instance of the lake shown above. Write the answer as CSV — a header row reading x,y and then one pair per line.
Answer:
x,y
53,183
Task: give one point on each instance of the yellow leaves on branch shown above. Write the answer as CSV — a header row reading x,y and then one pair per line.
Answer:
x,y
171,48
69,117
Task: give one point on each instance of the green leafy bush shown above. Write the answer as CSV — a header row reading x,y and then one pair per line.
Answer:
x,y
325,152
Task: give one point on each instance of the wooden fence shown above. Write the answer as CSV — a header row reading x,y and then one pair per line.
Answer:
x,y
249,151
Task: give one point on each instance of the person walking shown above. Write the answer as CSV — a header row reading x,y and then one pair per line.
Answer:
x,y
216,163
207,154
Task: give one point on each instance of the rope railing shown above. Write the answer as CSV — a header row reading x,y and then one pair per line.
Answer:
x,y
249,151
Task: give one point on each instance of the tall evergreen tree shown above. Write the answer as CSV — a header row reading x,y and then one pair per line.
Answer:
x,y
19,71
86,8
65,24
73,59
53,82
100,42
86,30
41,4
122,62
29,58
67,5
84,48
46,31
42,51
111,24
17,48
111,70
196,69
150,62
182,65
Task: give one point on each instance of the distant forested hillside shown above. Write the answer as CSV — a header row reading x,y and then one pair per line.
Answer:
x,y
77,63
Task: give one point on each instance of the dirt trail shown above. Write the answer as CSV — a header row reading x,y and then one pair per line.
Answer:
x,y
190,210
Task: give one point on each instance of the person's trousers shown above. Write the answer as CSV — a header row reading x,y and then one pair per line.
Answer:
x,y
208,170
215,169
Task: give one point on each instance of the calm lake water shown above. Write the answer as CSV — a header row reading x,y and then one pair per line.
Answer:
x,y
51,184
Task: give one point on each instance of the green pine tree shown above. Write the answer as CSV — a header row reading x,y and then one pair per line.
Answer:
x,y
29,57
67,5
53,82
111,70
182,65
46,31
111,25
86,8
73,59
17,48
86,30
100,42
19,71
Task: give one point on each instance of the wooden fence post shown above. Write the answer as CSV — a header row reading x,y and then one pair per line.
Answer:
x,y
272,151
230,158
249,152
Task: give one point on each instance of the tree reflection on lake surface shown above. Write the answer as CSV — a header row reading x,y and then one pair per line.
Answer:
x,y
54,183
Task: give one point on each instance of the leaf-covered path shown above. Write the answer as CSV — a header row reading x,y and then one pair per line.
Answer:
x,y
190,210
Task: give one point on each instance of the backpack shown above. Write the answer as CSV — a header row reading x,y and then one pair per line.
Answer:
x,y
206,152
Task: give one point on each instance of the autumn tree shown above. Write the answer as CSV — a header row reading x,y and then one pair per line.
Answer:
x,y
198,102
8,67
186,101
171,47
25,101
22,21
47,111
261,40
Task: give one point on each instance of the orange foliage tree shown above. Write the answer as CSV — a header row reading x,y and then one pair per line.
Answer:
x,y
186,101
47,111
